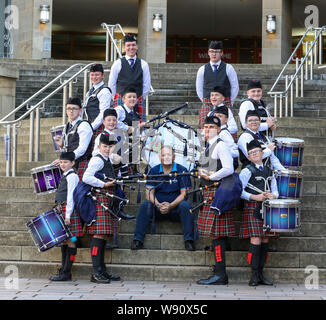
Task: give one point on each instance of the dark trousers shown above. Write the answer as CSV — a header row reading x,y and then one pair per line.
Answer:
x,y
179,213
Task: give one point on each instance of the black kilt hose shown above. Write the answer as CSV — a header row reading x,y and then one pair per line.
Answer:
x,y
251,226
210,224
75,226
105,224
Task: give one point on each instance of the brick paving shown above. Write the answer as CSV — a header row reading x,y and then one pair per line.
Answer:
x,y
43,289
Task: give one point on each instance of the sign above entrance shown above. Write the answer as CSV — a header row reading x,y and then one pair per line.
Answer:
x,y
200,55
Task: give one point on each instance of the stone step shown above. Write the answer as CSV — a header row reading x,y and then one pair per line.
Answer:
x,y
164,257
175,241
161,273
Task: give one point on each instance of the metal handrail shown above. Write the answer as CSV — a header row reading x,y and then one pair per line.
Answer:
x,y
13,125
299,68
2,122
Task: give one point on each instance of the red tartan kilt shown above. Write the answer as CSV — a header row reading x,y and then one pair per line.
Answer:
x,y
212,225
117,101
82,168
105,224
75,226
96,132
251,226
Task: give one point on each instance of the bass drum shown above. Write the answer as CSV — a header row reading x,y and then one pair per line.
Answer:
x,y
184,140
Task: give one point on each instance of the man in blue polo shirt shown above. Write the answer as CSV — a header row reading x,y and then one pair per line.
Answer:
x,y
166,201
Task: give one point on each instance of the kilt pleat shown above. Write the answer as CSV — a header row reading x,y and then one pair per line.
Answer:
x,y
105,224
75,226
82,168
210,224
250,225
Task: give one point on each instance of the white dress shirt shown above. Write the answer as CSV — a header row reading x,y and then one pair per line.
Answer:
x,y
226,136
245,176
72,182
122,116
85,133
221,152
246,137
244,107
95,164
231,74
232,125
115,70
104,97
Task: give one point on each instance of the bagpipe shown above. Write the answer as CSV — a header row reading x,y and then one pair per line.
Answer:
x,y
227,194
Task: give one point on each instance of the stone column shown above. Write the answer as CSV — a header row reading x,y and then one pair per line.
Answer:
x,y
152,44
276,48
8,77
32,40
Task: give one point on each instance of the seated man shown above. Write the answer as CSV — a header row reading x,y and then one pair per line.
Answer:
x,y
166,201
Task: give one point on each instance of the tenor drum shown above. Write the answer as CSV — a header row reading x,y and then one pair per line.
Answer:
x,y
56,134
289,184
185,142
48,230
289,151
46,178
281,215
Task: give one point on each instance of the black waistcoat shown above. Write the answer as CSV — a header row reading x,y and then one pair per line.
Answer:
x,y
212,79
61,194
258,183
107,169
93,105
130,77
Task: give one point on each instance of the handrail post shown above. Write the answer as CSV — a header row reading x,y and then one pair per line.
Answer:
x,y
37,134
275,106
107,46
296,78
315,48
85,84
31,136
306,63
64,101
286,95
291,97
281,101
311,62
302,78
14,151
70,89
8,150
321,48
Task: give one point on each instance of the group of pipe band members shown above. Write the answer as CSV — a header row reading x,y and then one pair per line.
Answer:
x,y
255,149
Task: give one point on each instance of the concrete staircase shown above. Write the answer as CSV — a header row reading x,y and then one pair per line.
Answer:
x,y
174,84
164,257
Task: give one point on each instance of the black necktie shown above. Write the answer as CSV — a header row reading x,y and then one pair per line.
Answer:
x,y
207,150
261,168
70,127
215,66
91,91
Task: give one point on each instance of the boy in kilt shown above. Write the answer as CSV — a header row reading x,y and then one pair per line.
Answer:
x,y
217,164
77,136
65,207
259,184
104,225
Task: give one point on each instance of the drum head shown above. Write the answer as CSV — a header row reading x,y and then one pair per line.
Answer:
x,y
44,168
290,141
282,203
57,128
289,173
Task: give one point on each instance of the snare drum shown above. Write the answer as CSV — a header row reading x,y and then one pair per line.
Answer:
x,y
57,133
281,215
48,230
46,178
289,151
289,183
184,141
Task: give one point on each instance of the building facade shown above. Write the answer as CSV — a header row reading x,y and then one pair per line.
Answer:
x,y
73,30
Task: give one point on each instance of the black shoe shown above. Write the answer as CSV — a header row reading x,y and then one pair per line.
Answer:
x,y
263,280
214,280
112,277
189,245
125,216
99,278
254,280
136,244
61,277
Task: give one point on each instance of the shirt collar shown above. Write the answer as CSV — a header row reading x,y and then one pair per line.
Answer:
x,y
65,173
217,63
75,121
174,168
258,165
213,140
127,108
127,57
98,85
